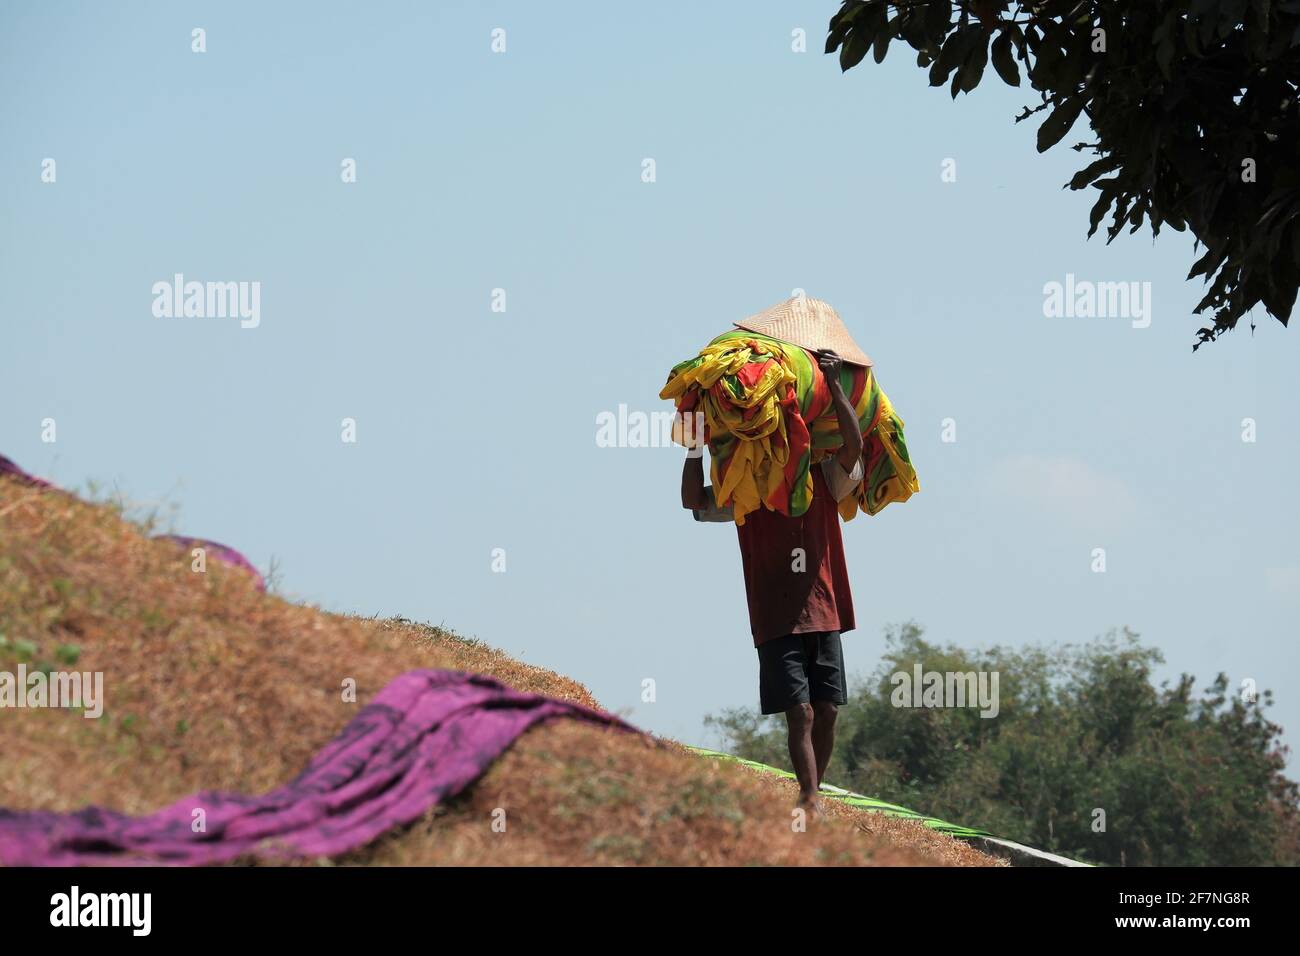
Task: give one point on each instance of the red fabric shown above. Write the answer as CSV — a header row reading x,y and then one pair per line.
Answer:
x,y
751,372
783,600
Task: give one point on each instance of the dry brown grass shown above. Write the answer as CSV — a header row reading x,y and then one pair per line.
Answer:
x,y
211,684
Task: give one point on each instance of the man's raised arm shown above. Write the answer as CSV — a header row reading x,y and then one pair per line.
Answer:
x,y
845,416
693,495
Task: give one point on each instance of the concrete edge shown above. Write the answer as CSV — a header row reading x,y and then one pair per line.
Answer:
x,y
1020,855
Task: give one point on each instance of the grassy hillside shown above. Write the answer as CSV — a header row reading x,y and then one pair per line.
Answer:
x,y
212,684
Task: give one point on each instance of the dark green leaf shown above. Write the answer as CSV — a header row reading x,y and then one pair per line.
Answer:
x,y
1108,189
952,53
973,69
1059,123
852,52
1084,177
881,45
938,75
938,18
1003,60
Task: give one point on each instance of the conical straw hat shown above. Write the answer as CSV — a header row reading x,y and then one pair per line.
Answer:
x,y
810,323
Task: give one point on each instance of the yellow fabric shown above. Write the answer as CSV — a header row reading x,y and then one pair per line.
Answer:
x,y
765,459
756,467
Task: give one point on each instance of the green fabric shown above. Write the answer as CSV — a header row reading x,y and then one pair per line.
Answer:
x,y
853,799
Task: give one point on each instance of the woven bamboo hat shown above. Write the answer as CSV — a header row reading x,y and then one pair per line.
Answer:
x,y
809,323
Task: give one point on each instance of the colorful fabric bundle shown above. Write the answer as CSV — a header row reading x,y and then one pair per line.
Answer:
x,y
427,736
768,418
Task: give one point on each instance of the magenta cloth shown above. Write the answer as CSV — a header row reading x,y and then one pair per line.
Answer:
x,y
219,551
427,736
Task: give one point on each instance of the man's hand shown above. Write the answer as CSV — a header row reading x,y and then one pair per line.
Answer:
x,y
830,364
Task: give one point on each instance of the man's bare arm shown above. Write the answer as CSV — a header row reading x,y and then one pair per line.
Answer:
x,y
693,495
845,417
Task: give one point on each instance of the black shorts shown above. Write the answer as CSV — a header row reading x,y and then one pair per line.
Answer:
x,y
800,669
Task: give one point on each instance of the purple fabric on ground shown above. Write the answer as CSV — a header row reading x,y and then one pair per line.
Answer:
x,y
425,737
219,551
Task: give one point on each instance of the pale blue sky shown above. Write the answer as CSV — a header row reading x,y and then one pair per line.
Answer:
x,y
477,429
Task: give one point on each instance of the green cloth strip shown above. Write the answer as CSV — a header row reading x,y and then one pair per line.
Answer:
x,y
851,798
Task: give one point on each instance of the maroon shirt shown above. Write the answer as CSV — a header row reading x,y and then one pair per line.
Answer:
x,y
783,599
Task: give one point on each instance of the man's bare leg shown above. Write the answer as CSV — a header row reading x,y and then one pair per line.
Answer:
x,y
823,735
799,724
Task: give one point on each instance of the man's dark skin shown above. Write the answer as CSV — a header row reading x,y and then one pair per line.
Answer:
x,y
810,727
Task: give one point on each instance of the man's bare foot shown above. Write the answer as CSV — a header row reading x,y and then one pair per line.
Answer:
x,y
811,805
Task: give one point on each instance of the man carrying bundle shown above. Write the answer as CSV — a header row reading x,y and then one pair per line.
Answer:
x,y
800,435
798,592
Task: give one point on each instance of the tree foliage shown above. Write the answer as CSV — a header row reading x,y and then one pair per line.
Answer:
x,y
1193,105
1183,779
